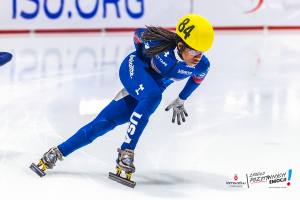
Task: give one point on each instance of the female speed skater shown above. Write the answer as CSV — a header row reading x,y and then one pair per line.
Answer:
x,y
161,57
4,58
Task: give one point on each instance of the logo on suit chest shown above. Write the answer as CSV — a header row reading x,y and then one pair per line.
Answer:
x,y
181,71
193,67
166,53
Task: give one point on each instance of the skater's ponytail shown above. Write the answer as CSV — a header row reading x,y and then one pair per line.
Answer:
x,y
169,40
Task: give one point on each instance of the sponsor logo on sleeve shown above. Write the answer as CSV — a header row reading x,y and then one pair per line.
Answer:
x,y
131,66
161,60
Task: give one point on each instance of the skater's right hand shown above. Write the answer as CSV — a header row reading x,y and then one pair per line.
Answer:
x,y
178,110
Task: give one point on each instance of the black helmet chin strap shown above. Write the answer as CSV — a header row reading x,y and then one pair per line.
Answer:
x,y
182,47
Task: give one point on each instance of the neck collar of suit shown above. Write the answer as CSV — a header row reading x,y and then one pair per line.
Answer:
x,y
177,55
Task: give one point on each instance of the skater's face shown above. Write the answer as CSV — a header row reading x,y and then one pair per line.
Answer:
x,y
190,56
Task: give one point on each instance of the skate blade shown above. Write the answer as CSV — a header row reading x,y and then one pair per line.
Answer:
x,y
121,180
37,170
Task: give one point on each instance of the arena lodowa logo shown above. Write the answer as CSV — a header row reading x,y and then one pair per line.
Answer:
x,y
255,8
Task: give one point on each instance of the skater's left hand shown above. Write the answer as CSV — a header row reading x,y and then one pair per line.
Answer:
x,y
178,110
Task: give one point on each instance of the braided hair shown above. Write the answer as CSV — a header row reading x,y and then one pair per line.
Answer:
x,y
169,40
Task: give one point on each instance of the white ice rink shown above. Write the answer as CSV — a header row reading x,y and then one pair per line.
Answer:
x,y
244,118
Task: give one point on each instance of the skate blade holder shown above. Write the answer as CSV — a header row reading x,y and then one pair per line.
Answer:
x,y
37,169
125,181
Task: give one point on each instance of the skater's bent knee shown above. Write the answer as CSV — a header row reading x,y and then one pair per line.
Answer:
x,y
152,100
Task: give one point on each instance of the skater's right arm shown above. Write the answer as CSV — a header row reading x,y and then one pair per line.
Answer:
x,y
4,58
138,43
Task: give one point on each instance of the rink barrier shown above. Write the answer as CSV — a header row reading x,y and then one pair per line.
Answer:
x,y
113,30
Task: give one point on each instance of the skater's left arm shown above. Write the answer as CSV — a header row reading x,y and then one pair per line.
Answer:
x,y
195,80
191,85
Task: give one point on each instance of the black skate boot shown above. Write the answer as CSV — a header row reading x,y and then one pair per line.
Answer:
x,y
124,162
47,161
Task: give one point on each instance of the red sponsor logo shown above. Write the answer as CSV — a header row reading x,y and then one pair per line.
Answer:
x,y
236,177
256,8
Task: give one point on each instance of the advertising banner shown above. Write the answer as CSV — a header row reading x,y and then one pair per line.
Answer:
x,y
99,14
80,14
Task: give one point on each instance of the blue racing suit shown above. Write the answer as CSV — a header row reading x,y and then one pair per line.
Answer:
x,y
144,80
4,58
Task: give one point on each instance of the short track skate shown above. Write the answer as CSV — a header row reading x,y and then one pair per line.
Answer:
x,y
39,169
118,178
47,161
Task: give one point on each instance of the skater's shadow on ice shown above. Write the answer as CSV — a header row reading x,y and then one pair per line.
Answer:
x,y
77,173
10,155
166,178
166,184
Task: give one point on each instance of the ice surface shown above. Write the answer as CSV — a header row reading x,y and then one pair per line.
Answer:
x,y
244,118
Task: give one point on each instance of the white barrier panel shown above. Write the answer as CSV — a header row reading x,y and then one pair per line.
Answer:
x,y
80,14
249,12
283,12
232,12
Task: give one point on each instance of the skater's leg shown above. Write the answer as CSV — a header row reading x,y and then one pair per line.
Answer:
x,y
116,113
140,117
140,85
47,161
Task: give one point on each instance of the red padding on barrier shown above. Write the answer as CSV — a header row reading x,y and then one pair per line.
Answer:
x,y
14,31
237,28
283,27
68,31
120,29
